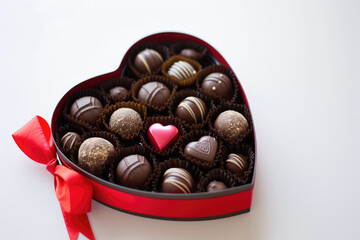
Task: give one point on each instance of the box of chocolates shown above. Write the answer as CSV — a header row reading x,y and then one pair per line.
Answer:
x,y
167,135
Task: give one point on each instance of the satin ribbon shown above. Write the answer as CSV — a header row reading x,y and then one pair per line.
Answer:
x,y
73,190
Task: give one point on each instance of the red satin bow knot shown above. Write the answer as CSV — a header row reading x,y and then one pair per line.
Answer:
x,y
73,190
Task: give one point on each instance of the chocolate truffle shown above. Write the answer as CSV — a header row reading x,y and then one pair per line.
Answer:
x,y
94,153
192,110
154,93
87,109
177,180
215,186
203,150
118,92
133,171
219,84
126,120
237,163
231,124
181,70
69,140
147,61
190,53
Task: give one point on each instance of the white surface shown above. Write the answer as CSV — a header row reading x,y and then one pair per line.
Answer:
x,y
298,62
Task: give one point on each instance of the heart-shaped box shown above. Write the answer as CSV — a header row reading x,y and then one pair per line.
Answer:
x,y
194,206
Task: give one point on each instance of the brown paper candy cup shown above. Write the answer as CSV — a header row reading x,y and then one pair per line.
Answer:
x,y
60,132
176,48
182,83
220,175
124,82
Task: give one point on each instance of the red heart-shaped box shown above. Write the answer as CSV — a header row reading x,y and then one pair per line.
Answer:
x,y
194,206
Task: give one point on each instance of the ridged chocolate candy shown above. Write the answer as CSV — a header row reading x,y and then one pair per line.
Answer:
x,y
192,110
177,180
118,92
215,186
69,140
126,120
133,171
219,84
181,70
237,163
231,124
147,61
154,93
203,150
87,109
190,53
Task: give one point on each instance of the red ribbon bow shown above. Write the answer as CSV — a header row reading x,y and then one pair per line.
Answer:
x,y
73,190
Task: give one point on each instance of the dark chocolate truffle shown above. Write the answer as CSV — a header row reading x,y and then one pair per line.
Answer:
x,y
237,163
69,140
133,171
231,124
87,109
147,61
126,120
190,53
181,70
154,93
215,186
219,84
118,92
94,154
177,180
204,150
192,110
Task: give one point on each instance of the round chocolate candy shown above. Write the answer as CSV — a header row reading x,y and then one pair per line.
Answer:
x,y
219,84
177,180
181,70
126,120
118,92
154,93
94,153
147,61
215,186
237,163
190,53
87,109
231,124
69,140
133,171
192,110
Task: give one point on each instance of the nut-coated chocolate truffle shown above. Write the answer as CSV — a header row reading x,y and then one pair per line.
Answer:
x,y
118,92
126,120
94,153
147,61
154,93
231,124
177,180
181,70
133,171
204,150
192,110
215,186
69,140
87,109
190,53
219,84
237,163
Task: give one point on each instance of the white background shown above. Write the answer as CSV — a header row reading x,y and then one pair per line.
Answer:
x,y
298,61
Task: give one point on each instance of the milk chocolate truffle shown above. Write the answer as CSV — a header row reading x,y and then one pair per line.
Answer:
x,y
177,180
181,70
190,53
237,163
203,150
118,92
69,140
154,93
219,84
192,110
231,123
133,171
147,61
87,109
215,186
126,120
94,153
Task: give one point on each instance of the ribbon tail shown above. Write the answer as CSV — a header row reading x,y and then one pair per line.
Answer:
x,y
77,223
